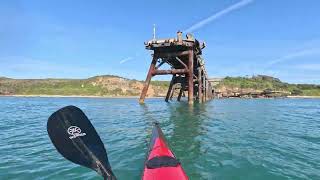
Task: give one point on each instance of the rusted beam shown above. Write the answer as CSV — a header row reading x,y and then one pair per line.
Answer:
x,y
167,44
200,84
181,62
160,64
204,89
148,79
172,91
210,90
183,86
170,88
207,93
190,77
196,78
171,54
180,94
172,71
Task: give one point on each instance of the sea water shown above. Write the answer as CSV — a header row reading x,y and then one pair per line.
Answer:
x,y
221,139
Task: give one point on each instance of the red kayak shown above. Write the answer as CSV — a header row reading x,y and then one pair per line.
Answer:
x,y
161,164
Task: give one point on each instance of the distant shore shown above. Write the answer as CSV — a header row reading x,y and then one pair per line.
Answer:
x,y
133,97
77,96
302,97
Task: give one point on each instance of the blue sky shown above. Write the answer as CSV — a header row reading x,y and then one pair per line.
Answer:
x,y
79,39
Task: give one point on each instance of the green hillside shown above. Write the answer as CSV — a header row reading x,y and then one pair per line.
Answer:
x,y
263,83
109,85
106,85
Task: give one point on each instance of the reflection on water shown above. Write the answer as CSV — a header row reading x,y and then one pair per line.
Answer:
x,y
185,139
221,139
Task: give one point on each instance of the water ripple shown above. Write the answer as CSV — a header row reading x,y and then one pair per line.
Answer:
x,y
221,139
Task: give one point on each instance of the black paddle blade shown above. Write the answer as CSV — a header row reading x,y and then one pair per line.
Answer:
x,y
75,138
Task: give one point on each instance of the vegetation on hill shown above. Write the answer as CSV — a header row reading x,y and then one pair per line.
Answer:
x,y
263,83
109,85
163,84
106,85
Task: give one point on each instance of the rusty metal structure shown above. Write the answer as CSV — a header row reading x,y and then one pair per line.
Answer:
x,y
186,66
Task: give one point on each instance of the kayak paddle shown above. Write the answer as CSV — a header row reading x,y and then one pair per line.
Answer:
x,y
75,138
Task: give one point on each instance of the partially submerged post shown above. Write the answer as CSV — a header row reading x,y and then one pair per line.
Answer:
x,y
187,67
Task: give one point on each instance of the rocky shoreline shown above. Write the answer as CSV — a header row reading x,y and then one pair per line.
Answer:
x,y
109,86
150,97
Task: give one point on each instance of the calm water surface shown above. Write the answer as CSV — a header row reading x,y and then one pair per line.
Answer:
x,y
222,139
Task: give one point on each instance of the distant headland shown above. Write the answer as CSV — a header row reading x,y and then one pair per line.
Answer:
x,y
115,86
262,86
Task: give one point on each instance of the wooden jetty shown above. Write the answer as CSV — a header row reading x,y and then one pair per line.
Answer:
x,y
187,67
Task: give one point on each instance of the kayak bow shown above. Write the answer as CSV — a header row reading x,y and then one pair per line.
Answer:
x,y
75,138
161,163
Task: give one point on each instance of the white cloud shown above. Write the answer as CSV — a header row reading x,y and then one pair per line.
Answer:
x,y
219,14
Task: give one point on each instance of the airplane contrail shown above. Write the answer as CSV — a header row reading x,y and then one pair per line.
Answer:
x,y
125,60
219,14
293,55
